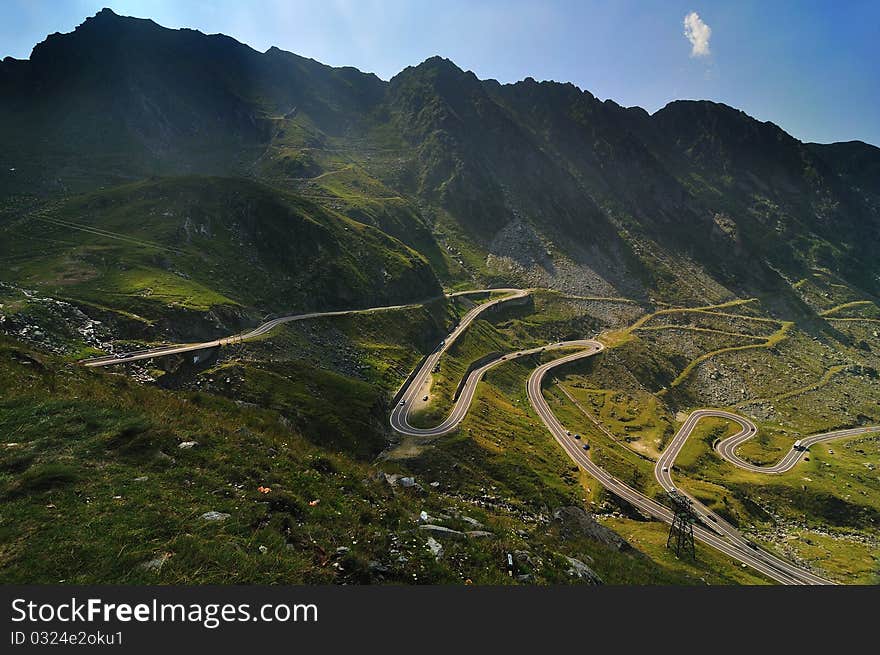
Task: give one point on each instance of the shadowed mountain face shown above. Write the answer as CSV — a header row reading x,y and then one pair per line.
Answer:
x,y
532,183
164,186
147,99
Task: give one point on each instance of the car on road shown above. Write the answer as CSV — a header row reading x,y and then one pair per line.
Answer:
x,y
403,402
119,355
586,446
665,469
577,436
568,432
425,398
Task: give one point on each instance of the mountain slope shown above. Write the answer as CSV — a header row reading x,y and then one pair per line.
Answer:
x,y
533,183
166,185
124,97
204,243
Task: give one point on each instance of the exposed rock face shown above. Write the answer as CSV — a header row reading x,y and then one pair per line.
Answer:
x,y
582,571
575,522
435,547
553,186
214,516
442,531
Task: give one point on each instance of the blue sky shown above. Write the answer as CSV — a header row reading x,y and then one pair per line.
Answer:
x,y
811,67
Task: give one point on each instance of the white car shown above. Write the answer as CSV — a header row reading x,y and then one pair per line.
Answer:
x,y
665,469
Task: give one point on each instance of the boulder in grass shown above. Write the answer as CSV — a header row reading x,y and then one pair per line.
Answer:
x,y
435,547
442,531
214,516
575,522
581,571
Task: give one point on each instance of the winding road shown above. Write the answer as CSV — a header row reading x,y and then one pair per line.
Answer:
x,y
727,447
715,531
740,550
260,330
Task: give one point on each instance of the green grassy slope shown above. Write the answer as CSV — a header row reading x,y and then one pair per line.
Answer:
x,y
97,488
750,256
202,243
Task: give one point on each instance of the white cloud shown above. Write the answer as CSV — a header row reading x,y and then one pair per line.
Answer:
x,y
698,33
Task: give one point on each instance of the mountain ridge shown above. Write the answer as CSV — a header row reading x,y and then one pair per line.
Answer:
x,y
526,182
106,16
164,186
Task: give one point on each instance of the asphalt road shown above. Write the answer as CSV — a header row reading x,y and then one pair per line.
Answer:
x,y
260,330
663,472
400,413
740,550
715,531
727,447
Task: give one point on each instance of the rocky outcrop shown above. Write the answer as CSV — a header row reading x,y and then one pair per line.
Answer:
x,y
581,571
575,523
